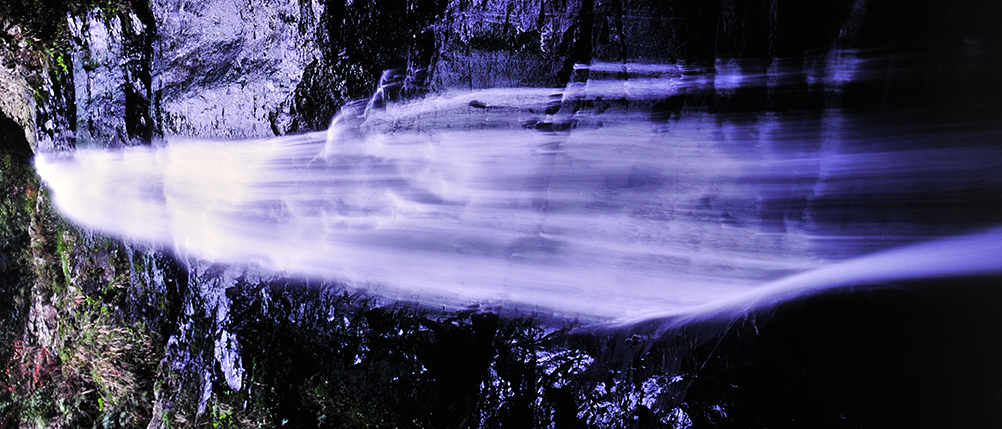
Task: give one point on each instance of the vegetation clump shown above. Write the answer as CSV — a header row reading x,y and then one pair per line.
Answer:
x,y
71,354
19,189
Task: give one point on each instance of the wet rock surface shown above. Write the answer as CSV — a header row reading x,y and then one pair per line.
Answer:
x,y
226,69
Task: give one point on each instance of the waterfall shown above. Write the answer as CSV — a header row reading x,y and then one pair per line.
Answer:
x,y
593,201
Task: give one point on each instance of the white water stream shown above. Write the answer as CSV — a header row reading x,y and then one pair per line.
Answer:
x,y
458,199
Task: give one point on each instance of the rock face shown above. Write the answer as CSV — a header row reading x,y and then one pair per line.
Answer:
x,y
15,97
216,69
111,79
230,69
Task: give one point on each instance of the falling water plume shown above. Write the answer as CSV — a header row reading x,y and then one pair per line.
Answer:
x,y
600,210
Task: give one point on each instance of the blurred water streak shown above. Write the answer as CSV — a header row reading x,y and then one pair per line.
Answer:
x,y
601,200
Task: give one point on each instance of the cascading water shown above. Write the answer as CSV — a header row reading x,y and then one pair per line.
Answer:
x,y
597,209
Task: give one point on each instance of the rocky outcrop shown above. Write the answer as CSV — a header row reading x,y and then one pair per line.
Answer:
x,y
229,69
209,69
111,82
16,102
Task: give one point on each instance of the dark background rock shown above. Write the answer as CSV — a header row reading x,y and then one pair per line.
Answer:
x,y
919,354
226,69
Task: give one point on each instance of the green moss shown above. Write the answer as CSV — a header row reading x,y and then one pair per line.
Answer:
x,y
94,350
64,258
18,187
58,57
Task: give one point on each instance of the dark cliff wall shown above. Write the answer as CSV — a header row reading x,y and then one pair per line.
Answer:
x,y
931,54
228,69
